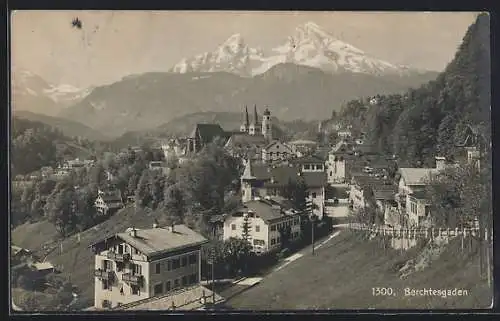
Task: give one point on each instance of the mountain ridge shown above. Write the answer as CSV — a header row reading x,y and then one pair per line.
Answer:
x,y
309,45
151,99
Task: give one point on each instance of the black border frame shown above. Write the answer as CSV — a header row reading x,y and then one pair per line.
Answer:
x,y
386,5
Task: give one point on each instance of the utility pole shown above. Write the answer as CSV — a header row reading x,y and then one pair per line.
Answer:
x,y
213,270
309,209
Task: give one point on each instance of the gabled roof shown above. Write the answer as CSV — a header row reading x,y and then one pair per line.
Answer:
x,y
310,159
158,240
364,180
242,140
416,176
268,210
207,132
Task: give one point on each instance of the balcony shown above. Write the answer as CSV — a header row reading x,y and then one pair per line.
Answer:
x,y
102,274
118,257
133,279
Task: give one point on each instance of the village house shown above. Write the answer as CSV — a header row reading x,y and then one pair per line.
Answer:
x,y
276,151
245,146
140,264
108,201
359,186
336,163
173,148
411,185
260,180
344,133
160,166
386,204
269,220
474,144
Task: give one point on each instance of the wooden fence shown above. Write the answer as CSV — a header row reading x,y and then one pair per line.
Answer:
x,y
418,232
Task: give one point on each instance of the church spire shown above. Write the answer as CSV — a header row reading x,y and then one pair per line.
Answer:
x,y
247,119
255,116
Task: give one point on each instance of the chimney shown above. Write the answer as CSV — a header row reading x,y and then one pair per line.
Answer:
x,y
133,232
440,163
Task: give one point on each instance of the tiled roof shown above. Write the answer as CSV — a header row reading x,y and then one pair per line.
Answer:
x,y
310,159
184,299
268,210
159,240
416,176
278,176
366,180
242,140
420,195
207,132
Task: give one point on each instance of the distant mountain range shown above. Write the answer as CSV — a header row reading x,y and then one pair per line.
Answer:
x,y
68,127
309,45
307,78
32,93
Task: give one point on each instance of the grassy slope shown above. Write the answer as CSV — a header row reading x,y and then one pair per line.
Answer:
x,y
77,260
33,235
343,272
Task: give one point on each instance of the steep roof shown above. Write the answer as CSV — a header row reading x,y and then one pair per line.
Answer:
x,y
416,176
207,132
161,240
268,210
242,140
309,159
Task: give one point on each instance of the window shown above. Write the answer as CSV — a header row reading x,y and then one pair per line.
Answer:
x,y
176,263
120,249
136,269
307,167
193,278
331,173
169,265
184,280
119,266
273,227
158,289
278,239
193,258
106,304
157,268
313,195
106,285
135,289
233,227
258,242
168,286
107,265
184,261
273,241
257,228
176,283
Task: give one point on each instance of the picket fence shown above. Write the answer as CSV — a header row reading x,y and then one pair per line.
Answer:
x,y
417,232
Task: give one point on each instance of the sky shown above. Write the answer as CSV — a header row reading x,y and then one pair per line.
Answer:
x,y
114,44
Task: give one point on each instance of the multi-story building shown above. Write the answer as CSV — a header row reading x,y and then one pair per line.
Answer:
x,y
270,222
108,201
260,180
145,263
276,151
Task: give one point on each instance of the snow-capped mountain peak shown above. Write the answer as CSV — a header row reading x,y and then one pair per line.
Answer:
x,y
309,45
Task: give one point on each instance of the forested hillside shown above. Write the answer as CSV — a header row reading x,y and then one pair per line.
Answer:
x,y
430,120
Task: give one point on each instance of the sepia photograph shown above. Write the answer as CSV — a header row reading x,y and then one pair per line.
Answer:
x,y
231,161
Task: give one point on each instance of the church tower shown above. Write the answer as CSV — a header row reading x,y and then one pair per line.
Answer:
x,y
245,127
267,128
255,124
